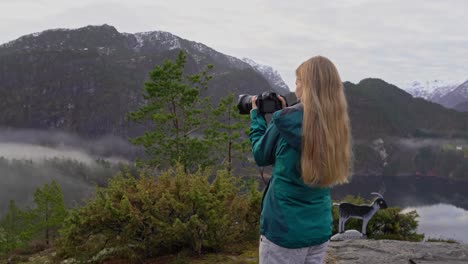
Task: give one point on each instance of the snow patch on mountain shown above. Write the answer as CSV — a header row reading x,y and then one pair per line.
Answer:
x,y
270,74
165,39
462,89
201,47
140,41
446,93
431,90
145,42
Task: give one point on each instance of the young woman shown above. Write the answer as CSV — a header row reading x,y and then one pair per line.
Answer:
x,y
309,145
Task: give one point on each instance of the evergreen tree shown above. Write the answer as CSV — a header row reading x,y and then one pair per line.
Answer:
x,y
50,211
175,113
226,133
13,233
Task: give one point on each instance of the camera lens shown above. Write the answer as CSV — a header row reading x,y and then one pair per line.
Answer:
x,y
244,104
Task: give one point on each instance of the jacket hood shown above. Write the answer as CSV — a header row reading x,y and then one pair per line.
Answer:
x,y
289,123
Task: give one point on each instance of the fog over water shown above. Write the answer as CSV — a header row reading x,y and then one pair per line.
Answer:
x,y
429,142
104,146
38,153
31,158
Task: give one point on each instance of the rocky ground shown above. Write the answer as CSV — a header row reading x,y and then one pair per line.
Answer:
x,y
390,251
339,252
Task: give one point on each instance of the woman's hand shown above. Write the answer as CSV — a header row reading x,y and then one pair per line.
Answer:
x,y
283,102
254,105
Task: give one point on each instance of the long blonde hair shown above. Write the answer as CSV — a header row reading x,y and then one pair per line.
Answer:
x,y
326,158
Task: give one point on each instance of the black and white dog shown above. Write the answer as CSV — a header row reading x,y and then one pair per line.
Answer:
x,y
364,212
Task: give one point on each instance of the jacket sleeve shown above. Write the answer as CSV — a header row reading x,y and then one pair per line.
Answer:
x,y
263,139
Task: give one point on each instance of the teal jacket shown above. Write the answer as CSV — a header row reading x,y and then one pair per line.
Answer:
x,y
293,215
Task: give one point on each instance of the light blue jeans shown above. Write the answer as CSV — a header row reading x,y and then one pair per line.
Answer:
x,y
270,253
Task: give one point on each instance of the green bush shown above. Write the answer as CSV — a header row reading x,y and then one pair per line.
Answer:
x,y
442,240
150,216
388,223
33,229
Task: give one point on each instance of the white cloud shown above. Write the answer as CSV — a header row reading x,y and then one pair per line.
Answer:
x,y
37,153
396,40
40,153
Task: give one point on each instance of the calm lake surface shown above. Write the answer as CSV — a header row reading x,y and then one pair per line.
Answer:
x,y
442,204
442,221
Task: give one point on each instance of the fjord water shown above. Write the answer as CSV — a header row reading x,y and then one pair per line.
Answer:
x,y
443,221
442,203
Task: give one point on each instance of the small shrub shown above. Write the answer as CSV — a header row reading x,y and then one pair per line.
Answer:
x,y
445,240
389,223
152,216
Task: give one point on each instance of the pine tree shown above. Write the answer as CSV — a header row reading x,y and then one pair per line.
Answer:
x,y
50,211
175,113
13,229
226,132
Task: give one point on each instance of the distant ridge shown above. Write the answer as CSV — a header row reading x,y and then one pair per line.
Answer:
x,y
446,93
85,80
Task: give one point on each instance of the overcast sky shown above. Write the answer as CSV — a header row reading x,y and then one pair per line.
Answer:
x,y
396,40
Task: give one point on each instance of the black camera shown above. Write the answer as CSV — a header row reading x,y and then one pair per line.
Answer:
x,y
266,102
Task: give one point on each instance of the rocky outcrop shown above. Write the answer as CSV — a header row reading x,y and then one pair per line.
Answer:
x,y
391,251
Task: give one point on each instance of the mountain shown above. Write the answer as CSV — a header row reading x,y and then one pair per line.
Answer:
x,y
458,96
272,76
446,93
86,80
380,109
397,134
462,107
431,90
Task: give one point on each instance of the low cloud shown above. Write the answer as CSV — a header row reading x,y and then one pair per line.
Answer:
x,y
35,143
31,158
429,142
39,154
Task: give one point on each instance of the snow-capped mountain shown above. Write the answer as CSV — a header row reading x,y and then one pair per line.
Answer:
x,y
271,75
431,90
456,97
161,40
166,40
447,93
107,40
87,80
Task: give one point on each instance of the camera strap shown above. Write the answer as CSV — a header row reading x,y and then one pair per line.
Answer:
x,y
261,174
